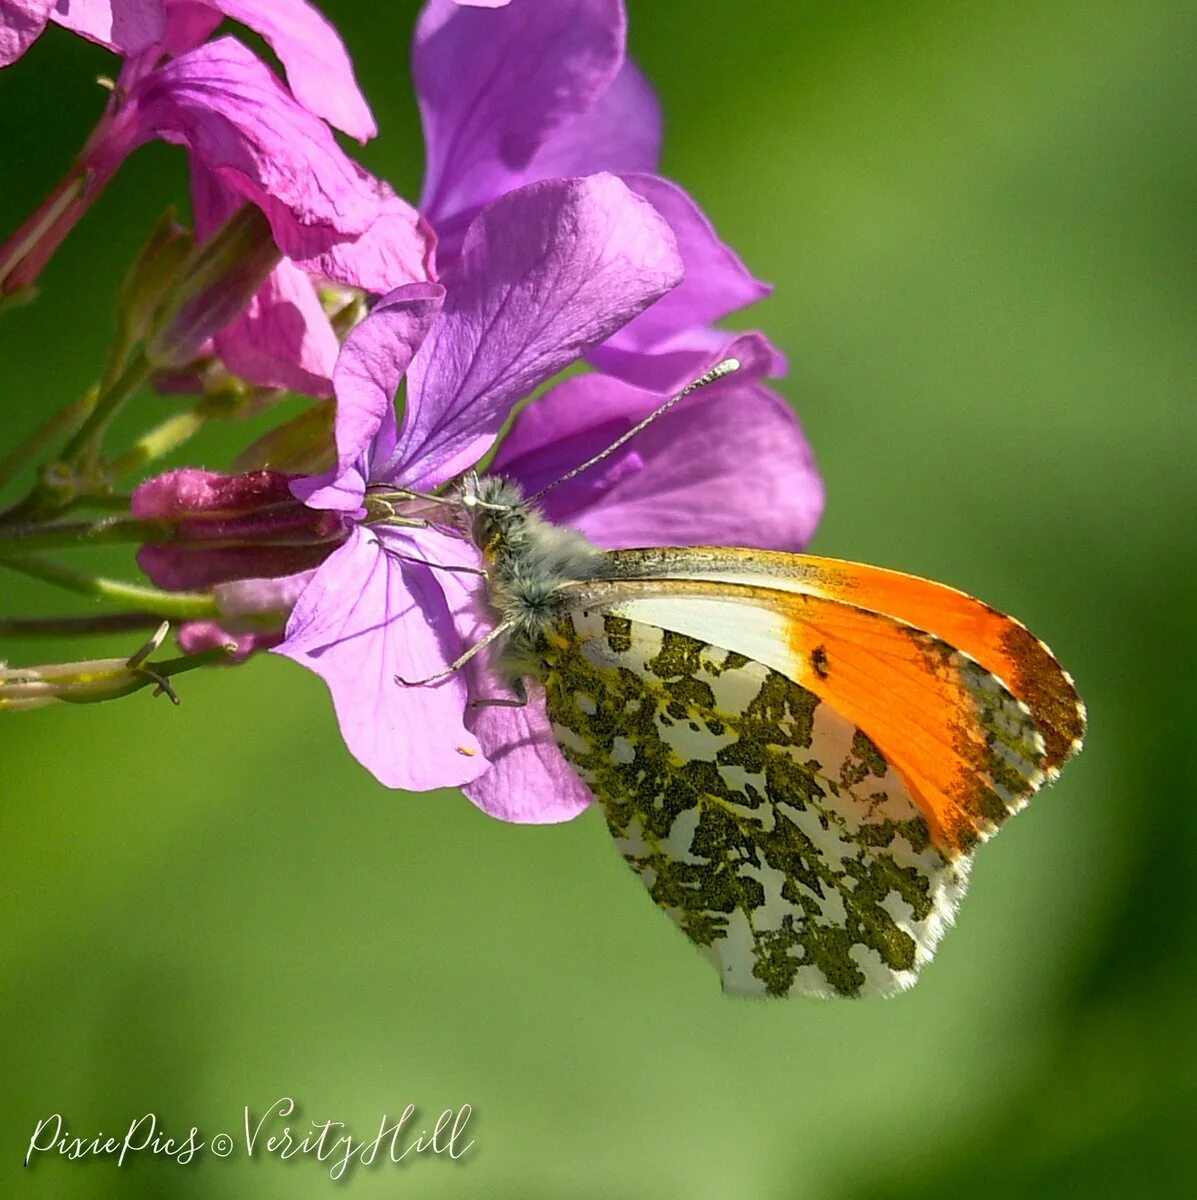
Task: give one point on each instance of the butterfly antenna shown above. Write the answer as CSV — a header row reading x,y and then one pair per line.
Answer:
x,y
726,367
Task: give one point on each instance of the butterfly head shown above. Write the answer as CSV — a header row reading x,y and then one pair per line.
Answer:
x,y
528,558
494,513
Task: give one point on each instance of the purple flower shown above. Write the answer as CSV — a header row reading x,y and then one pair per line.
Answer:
x,y
544,274
248,139
545,89
317,65
21,24
284,337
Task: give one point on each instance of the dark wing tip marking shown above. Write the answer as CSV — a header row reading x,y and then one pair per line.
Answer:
x,y
1048,690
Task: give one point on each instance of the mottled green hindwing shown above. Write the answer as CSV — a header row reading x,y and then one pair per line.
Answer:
x,y
769,828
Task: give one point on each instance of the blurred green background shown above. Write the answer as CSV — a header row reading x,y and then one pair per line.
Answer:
x,y
979,221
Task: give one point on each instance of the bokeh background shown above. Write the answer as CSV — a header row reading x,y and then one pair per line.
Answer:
x,y
979,221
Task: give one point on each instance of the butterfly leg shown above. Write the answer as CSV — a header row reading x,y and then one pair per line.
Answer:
x,y
520,699
460,661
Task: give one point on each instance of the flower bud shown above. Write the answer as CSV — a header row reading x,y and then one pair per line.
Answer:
x,y
156,270
253,616
220,279
231,527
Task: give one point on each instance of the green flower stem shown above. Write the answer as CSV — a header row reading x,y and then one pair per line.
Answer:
x,y
62,424
113,502
171,434
75,474
100,679
177,606
111,400
20,539
155,675
17,627
160,440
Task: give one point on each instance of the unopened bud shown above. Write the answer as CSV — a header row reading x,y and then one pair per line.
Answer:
x,y
214,287
229,527
157,269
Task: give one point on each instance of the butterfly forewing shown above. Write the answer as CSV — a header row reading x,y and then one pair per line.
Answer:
x,y
771,829
970,751
997,642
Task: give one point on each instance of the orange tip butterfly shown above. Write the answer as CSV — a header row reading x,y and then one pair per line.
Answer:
x,y
797,756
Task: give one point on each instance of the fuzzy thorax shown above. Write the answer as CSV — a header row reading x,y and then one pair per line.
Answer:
x,y
528,558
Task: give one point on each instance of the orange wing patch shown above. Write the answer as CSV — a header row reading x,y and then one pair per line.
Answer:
x,y
973,710
971,752
999,643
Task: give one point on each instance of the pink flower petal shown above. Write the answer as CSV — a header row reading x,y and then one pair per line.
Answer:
x,y
335,490
735,470
292,343
546,272
672,364
283,338
243,599
243,125
529,781
366,617
195,636
728,466
716,283
21,24
125,26
564,428
494,86
188,23
317,64
250,140
396,249
373,360
620,132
